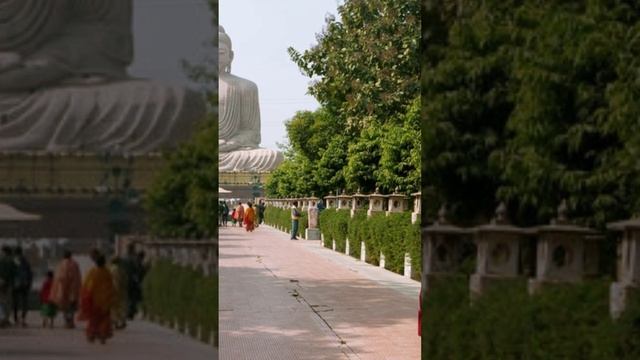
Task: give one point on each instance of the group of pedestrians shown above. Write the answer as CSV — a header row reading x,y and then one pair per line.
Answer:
x,y
248,216
108,295
16,279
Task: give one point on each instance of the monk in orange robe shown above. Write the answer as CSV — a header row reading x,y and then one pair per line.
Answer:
x,y
250,218
98,298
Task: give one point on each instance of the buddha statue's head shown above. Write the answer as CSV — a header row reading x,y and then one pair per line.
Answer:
x,y
225,52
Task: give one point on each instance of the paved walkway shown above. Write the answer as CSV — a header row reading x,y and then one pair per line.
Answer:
x,y
283,299
140,341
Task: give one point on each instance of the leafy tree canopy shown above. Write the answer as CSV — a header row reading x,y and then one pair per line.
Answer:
x,y
365,76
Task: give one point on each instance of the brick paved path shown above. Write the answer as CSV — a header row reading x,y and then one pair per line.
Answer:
x,y
283,299
139,341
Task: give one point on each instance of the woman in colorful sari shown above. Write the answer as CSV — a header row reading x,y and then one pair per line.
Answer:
x,y
97,299
65,291
250,218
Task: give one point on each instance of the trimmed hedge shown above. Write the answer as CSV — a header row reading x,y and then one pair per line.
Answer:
x,y
173,293
281,218
394,235
561,322
334,225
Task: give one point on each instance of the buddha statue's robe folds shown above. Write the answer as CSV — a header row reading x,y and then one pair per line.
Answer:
x,y
64,85
239,126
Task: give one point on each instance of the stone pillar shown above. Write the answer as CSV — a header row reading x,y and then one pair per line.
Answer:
x,y
560,252
417,207
376,203
628,266
312,232
363,252
407,265
383,261
498,252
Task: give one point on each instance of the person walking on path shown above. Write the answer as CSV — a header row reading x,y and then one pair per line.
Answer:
x,y
240,213
225,219
7,274
261,207
250,218
135,270
23,281
224,209
120,284
98,298
65,291
295,220
48,309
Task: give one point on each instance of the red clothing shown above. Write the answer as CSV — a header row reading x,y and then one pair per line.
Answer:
x,y
45,291
99,325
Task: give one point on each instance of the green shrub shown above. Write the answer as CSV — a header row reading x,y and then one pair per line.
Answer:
x,y
357,233
561,322
394,235
278,217
175,293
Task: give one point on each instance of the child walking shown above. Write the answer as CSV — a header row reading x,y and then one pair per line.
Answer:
x,y
48,309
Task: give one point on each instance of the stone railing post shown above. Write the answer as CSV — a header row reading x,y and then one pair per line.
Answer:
x,y
407,266
417,207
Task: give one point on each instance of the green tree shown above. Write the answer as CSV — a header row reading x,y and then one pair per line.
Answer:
x,y
533,102
365,69
182,201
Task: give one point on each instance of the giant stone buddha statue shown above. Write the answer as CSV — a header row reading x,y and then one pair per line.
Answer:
x,y
239,119
64,85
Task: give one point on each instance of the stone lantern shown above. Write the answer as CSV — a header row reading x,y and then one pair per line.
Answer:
x,y
344,201
397,202
417,207
628,266
561,251
376,202
313,201
359,202
442,249
304,204
498,252
331,201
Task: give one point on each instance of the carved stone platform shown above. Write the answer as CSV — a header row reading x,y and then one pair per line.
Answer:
x,y
243,185
77,195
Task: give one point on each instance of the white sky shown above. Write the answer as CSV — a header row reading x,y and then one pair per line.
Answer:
x,y
261,31
166,32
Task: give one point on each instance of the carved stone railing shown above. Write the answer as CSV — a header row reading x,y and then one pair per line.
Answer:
x,y
564,253
198,254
